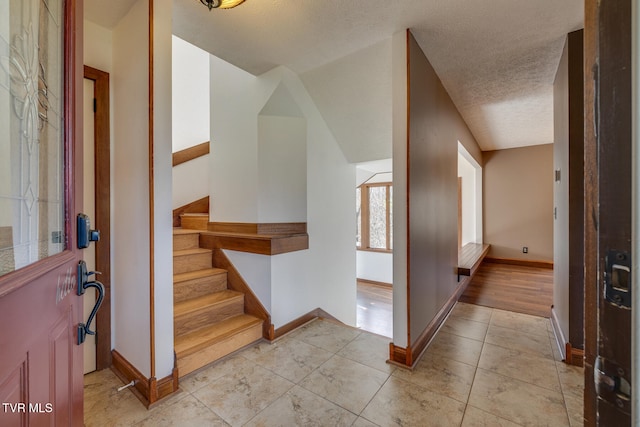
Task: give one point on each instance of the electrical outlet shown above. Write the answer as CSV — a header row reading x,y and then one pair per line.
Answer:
x,y
525,250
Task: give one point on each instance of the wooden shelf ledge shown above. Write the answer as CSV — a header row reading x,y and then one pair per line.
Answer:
x,y
263,244
470,257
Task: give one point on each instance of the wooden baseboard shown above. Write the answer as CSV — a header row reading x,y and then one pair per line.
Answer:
x,y
149,390
408,357
400,356
198,206
375,283
317,313
521,262
575,356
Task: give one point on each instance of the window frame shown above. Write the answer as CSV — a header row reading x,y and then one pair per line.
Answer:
x,y
365,221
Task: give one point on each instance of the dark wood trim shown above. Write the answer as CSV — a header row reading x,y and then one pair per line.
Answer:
x,y
235,282
400,356
376,283
408,357
590,209
148,390
198,206
258,228
521,262
191,153
102,191
420,344
255,243
317,313
152,316
575,356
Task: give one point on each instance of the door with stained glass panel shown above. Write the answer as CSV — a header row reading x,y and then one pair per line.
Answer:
x,y
40,190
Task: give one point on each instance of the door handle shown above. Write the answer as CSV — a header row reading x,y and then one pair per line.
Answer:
x,y
83,285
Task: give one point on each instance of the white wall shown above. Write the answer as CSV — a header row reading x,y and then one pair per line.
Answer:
x,y
468,174
191,181
282,169
234,150
191,119
324,275
162,164
191,116
376,266
399,96
130,243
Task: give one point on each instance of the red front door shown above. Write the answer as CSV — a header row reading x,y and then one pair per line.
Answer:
x,y
40,192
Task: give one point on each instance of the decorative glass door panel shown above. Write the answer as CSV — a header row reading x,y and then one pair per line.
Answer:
x,y
32,220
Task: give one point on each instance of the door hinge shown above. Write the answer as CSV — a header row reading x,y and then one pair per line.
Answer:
x,y
95,105
612,384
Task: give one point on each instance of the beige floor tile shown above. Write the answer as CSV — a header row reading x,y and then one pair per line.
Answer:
x,y
345,383
571,379
188,412
299,407
523,323
400,403
524,366
517,401
473,312
371,350
465,350
575,409
237,397
104,405
293,359
326,335
505,337
441,375
474,417
199,379
465,328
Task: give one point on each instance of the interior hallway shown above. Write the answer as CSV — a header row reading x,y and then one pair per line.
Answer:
x,y
329,374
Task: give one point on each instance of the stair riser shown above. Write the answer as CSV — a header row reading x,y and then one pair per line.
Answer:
x,y
209,315
194,262
197,223
196,288
185,241
217,351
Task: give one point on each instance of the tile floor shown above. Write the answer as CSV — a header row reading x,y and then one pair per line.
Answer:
x,y
485,367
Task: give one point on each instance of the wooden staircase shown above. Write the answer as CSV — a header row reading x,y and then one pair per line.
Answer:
x,y
209,319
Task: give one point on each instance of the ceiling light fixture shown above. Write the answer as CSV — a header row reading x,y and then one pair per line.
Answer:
x,y
222,4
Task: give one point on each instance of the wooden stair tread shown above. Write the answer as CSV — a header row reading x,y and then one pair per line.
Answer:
x,y
194,304
194,215
198,274
197,340
186,252
178,230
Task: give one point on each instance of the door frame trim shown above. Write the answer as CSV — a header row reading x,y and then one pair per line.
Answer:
x,y
102,167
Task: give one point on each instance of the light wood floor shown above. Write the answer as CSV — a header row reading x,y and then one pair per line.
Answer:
x,y
527,290
375,309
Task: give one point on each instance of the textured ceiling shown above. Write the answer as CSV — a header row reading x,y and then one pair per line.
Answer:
x,y
496,58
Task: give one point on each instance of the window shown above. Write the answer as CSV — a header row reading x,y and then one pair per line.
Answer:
x,y
374,218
